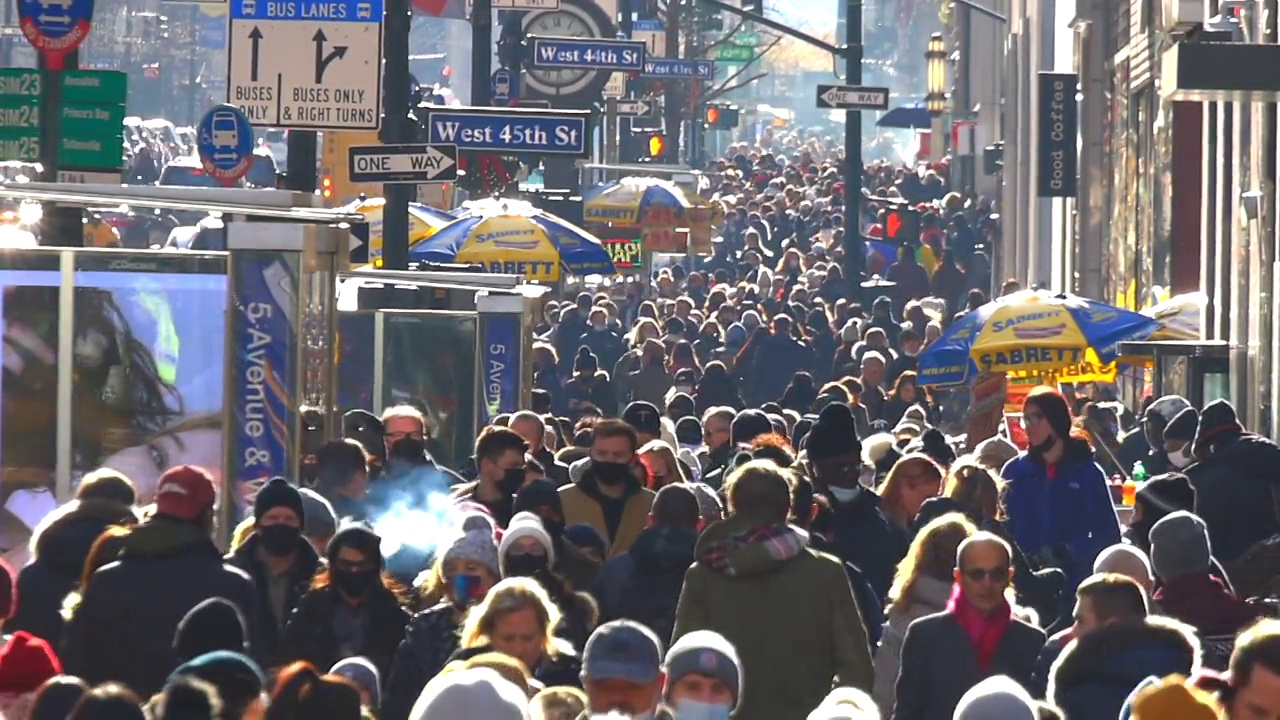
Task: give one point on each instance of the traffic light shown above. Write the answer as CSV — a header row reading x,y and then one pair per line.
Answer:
x,y
657,145
993,158
326,187
721,117
902,225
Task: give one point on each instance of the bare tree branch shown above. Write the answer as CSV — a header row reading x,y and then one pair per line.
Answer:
x,y
727,88
728,84
724,39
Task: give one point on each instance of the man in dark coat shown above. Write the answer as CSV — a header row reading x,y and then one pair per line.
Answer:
x,y
643,584
124,626
779,358
1117,645
976,637
1234,482
280,561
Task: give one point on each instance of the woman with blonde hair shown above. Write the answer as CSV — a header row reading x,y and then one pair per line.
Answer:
x,y
518,618
912,480
921,587
660,460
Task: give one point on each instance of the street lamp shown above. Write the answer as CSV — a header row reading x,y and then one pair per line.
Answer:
x,y
935,72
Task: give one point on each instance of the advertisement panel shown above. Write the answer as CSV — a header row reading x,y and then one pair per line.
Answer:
x,y
263,371
500,381
626,253
1056,146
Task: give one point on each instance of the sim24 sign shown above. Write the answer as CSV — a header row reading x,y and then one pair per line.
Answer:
x,y
510,131
1056,151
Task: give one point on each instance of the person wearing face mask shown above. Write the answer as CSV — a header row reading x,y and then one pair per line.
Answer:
x,y
609,497
352,609
541,498
462,576
703,677
1179,439
500,462
527,550
280,561
861,532
1056,500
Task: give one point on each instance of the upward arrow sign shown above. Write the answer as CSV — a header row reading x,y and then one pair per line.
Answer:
x,y
322,60
255,38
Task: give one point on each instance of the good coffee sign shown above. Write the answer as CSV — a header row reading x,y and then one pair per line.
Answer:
x,y
1056,148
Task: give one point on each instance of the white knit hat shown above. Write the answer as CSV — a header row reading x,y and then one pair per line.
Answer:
x,y
471,693
526,524
996,698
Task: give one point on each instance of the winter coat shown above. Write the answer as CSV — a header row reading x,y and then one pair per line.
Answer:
x,y
742,579
643,584
309,634
429,641
564,669
777,360
1069,517
124,627
862,535
940,664
267,628
581,504
870,604
1235,494
1204,603
59,548
928,596
605,345
1096,672
648,384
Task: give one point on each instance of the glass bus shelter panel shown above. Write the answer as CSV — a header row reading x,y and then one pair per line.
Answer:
x,y
356,357
429,360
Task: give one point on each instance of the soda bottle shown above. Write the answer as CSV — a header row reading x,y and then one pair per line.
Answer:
x,y
1139,472
1116,485
1129,492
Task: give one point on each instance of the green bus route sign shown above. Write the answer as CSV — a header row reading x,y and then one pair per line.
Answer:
x,y
91,136
742,54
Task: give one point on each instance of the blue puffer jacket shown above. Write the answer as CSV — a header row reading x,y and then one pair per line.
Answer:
x,y
1064,520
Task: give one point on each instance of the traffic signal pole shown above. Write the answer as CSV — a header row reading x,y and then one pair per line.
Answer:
x,y
60,225
396,128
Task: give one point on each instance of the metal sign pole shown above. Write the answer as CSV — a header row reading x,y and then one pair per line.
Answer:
x,y
611,130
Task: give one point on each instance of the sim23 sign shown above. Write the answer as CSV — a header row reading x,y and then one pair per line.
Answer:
x,y
1056,150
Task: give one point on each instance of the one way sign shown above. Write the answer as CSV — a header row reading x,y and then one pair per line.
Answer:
x,y
403,163
635,108
848,97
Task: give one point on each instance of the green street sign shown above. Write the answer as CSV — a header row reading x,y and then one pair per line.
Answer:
x,y
98,153
99,87
735,53
23,148
19,113
749,39
20,83
92,120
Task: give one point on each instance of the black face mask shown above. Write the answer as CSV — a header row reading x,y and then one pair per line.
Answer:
x,y
554,528
511,480
279,539
355,583
1044,447
524,565
610,473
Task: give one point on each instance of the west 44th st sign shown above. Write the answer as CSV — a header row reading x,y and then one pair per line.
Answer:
x,y
590,54
314,64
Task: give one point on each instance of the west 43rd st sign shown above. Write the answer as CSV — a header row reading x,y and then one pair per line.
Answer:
x,y
848,97
314,64
403,163
591,54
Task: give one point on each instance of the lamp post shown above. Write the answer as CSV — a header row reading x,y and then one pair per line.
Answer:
x,y
935,101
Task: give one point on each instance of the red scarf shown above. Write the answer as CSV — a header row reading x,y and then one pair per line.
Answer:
x,y
984,631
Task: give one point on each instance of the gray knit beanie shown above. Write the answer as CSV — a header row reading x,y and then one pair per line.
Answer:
x,y
1180,546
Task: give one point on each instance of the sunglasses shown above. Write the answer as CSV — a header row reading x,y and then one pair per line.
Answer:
x,y
994,574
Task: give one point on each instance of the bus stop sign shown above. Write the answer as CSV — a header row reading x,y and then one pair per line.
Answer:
x,y
55,27
225,143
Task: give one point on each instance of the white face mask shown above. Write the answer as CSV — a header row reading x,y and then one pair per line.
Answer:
x,y
842,494
1181,458
867,478
698,710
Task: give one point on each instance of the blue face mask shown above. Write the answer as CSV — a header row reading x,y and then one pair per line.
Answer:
x,y
698,710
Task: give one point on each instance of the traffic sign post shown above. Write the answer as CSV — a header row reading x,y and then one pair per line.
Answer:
x,y
91,121
224,140
510,131
55,27
403,163
675,68
847,97
587,53
307,64
634,108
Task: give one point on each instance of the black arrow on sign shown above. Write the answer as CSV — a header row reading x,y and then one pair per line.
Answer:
x,y
255,35
322,60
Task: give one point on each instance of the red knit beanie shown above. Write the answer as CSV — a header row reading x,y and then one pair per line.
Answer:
x,y
26,661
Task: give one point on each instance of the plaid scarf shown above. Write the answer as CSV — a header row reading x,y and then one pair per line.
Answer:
x,y
776,541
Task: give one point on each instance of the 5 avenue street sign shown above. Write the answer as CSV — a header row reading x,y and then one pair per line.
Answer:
x,y
403,163
588,53
310,64
511,131
847,97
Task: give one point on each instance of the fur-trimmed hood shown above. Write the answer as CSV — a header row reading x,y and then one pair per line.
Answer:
x,y
1124,654
64,537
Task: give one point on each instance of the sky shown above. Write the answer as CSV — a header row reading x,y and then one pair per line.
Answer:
x,y
804,13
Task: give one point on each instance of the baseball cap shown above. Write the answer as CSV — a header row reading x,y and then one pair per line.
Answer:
x,y
644,417
622,650
185,492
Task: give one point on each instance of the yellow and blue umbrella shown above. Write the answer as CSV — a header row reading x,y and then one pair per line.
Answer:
x,y
627,201
1030,331
424,220
512,239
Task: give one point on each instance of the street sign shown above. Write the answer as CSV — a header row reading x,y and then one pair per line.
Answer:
x,y
616,86
674,68
224,140
635,108
848,97
526,4
91,118
588,53
749,39
20,91
501,86
735,53
307,64
55,27
510,131
403,163
653,35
